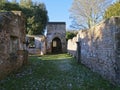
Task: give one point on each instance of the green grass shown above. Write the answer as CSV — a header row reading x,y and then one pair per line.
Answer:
x,y
55,72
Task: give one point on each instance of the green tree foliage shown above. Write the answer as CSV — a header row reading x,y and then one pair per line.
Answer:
x,y
3,1
70,35
36,14
9,6
39,20
26,3
14,1
113,10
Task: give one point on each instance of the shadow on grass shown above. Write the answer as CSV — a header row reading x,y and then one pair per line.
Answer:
x,y
55,72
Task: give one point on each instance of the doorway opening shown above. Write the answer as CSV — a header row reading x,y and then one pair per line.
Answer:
x,y
56,45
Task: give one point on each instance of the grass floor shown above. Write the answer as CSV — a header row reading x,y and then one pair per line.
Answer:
x,y
55,72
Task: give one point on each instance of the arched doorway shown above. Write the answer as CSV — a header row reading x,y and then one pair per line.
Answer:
x,y
56,45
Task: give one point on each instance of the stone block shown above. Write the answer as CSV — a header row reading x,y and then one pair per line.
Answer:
x,y
100,49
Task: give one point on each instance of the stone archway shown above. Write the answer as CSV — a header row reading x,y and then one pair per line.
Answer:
x,y
56,32
56,45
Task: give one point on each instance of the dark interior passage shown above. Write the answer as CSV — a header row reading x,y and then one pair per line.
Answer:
x,y
56,45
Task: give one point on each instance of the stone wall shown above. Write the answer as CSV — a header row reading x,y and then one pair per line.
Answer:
x,y
39,44
56,30
72,46
12,39
100,49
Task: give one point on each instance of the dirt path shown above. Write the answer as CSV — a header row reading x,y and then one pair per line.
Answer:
x,y
55,72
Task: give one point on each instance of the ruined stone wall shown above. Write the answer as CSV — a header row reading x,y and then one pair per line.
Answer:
x,y
40,44
12,38
56,30
100,49
72,46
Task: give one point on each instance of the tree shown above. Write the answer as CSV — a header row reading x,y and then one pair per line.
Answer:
x,y
26,3
70,35
14,1
22,2
38,21
3,1
118,1
113,10
36,15
7,6
87,13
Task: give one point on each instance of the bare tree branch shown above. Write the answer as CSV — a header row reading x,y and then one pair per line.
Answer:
x,y
87,13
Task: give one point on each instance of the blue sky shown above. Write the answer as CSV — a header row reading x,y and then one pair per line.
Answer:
x,y
58,10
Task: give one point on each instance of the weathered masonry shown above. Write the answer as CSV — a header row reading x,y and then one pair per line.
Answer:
x,y
12,42
100,49
36,44
56,41
53,42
